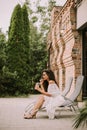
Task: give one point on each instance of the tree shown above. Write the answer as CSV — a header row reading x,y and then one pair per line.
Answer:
x,y
17,50
26,54
37,51
38,55
2,59
26,27
26,33
2,49
45,16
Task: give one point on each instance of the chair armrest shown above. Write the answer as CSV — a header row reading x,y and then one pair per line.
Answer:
x,y
71,101
66,98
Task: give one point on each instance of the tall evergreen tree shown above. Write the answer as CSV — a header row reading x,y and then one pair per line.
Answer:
x,y
25,24
16,26
2,59
26,30
17,61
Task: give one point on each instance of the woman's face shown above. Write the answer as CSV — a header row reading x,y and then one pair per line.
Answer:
x,y
45,76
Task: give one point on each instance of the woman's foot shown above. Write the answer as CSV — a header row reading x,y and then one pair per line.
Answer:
x,y
29,116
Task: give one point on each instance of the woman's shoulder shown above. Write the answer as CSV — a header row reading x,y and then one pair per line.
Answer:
x,y
51,82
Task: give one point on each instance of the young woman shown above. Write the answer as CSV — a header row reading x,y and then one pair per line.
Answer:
x,y
50,95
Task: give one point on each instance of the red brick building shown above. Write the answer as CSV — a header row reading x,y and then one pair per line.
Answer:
x,y
67,43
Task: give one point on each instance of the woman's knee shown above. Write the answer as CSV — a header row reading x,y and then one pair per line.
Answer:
x,y
41,97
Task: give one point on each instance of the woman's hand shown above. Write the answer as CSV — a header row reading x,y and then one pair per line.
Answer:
x,y
41,81
41,90
37,87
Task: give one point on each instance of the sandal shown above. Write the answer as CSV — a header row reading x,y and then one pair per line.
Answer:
x,y
29,116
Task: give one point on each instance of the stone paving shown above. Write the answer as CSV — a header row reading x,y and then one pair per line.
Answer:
x,y
11,117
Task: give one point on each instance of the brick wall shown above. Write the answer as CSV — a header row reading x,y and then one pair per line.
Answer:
x,y
65,50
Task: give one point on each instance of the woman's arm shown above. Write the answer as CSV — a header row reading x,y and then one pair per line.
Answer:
x,y
44,92
39,85
41,90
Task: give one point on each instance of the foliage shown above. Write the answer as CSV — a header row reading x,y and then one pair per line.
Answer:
x,y
2,49
45,15
38,52
2,58
34,19
24,55
52,3
26,27
17,51
81,118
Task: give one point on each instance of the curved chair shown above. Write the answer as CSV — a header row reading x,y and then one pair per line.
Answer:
x,y
68,86
70,101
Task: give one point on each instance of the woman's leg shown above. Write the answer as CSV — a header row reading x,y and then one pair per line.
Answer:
x,y
37,106
39,103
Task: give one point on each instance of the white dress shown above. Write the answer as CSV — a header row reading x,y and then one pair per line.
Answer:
x,y
51,103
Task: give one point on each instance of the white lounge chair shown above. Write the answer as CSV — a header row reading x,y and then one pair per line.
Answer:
x,y
67,86
70,101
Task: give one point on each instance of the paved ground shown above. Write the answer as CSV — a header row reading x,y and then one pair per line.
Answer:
x,y
11,117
